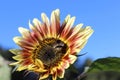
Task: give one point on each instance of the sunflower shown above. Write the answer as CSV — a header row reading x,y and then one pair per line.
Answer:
x,y
49,47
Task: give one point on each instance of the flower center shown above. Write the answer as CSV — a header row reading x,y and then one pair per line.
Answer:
x,y
51,51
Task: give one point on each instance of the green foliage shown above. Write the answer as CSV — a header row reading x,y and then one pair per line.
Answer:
x,y
105,64
103,69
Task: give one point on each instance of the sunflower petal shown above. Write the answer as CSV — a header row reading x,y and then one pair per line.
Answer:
x,y
39,63
25,32
40,70
54,76
41,27
27,62
87,32
76,30
45,19
14,63
60,73
18,57
15,51
57,20
21,67
67,18
67,28
22,43
36,22
31,26
44,75
57,12
17,40
72,59
37,28
64,64
53,24
46,24
69,25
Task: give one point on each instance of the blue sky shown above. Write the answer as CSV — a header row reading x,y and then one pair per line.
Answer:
x,y
102,15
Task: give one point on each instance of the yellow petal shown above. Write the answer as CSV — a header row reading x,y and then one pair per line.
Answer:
x,y
21,67
15,51
36,22
57,12
88,32
82,45
31,67
43,75
17,40
23,44
54,76
76,29
81,41
64,64
70,23
17,57
53,24
53,70
41,27
31,26
35,30
39,63
14,63
72,59
60,73
47,24
67,27
77,48
67,18
25,32
57,20
35,68
45,19
41,70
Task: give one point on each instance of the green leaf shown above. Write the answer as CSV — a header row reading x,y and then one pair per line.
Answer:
x,y
105,64
103,69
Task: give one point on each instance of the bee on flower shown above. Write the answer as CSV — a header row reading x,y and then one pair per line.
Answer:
x,y
49,47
